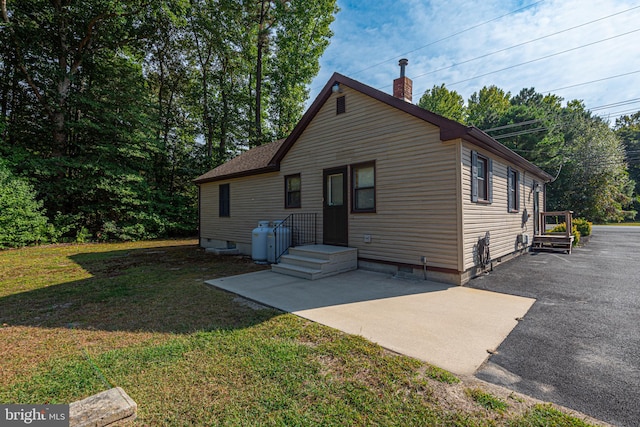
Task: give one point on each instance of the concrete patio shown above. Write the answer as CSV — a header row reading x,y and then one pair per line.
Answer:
x,y
451,327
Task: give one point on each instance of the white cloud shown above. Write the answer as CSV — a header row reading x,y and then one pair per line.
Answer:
x,y
371,36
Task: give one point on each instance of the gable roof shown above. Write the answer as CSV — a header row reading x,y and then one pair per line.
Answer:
x,y
449,130
255,161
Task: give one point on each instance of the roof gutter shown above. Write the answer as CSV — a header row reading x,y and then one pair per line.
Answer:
x,y
266,169
482,140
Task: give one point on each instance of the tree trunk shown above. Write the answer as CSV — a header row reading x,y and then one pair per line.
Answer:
x,y
206,115
222,148
262,35
58,117
258,119
58,120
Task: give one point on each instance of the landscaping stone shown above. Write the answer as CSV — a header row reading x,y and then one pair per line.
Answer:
x,y
103,409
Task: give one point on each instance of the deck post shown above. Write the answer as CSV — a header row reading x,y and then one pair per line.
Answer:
x,y
554,241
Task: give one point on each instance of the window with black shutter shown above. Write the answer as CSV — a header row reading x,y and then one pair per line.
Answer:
x,y
513,190
481,178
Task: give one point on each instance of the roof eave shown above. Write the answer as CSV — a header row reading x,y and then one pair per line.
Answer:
x,y
449,129
482,140
266,169
324,94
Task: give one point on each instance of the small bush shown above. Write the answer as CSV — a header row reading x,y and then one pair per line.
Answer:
x,y
22,218
561,228
583,226
68,228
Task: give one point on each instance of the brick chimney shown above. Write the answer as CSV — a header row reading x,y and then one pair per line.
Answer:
x,y
402,86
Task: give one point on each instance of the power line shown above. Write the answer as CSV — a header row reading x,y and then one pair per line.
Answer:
x,y
534,121
544,57
523,43
527,122
522,132
590,82
533,130
530,41
450,36
616,104
618,113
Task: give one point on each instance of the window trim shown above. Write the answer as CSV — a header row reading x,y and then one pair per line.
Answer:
x,y
354,190
513,206
224,203
488,183
287,205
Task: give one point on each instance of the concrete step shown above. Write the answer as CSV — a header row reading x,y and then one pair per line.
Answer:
x,y
317,261
303,261
296,271
325,252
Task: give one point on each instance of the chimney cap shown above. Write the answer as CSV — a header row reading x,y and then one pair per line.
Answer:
x,y
403,63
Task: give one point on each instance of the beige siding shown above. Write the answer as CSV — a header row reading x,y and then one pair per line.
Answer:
x,y
251,199
415,179
416,182
503,226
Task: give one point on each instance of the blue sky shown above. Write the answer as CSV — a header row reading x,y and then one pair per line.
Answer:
x,y
465,44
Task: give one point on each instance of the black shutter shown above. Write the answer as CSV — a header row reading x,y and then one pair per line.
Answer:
x,y
509,189
490,181
474,176
223,200
518,190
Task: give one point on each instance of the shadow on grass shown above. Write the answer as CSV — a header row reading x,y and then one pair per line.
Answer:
x,y
158,289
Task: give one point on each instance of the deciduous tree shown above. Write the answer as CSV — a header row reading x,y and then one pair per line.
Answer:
x,y
441,100
628,130
487,106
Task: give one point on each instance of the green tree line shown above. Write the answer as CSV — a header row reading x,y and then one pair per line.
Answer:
x,y
109,109
596,167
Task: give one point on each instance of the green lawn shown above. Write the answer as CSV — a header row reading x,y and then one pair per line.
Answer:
x,y
79,319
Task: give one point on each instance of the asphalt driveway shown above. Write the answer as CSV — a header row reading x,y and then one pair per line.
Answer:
x,y
579,345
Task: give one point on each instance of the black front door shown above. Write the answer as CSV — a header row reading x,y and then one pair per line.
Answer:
x,y
335,211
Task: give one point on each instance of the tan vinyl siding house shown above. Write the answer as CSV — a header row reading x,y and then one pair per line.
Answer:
x,y
408,175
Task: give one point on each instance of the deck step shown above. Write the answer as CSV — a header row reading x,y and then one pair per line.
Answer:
x,y
317,261
553,242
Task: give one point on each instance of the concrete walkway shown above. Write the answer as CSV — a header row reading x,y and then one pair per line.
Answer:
x,y
448,326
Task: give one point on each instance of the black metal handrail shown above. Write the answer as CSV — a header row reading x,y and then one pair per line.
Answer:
x,y
295,230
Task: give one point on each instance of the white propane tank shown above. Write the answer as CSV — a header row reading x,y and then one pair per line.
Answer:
x,y
259,242
277,243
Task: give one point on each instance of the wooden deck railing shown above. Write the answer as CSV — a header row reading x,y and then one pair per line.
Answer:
x,y
558,240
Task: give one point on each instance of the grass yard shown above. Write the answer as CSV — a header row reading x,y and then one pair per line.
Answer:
x,y
79,319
